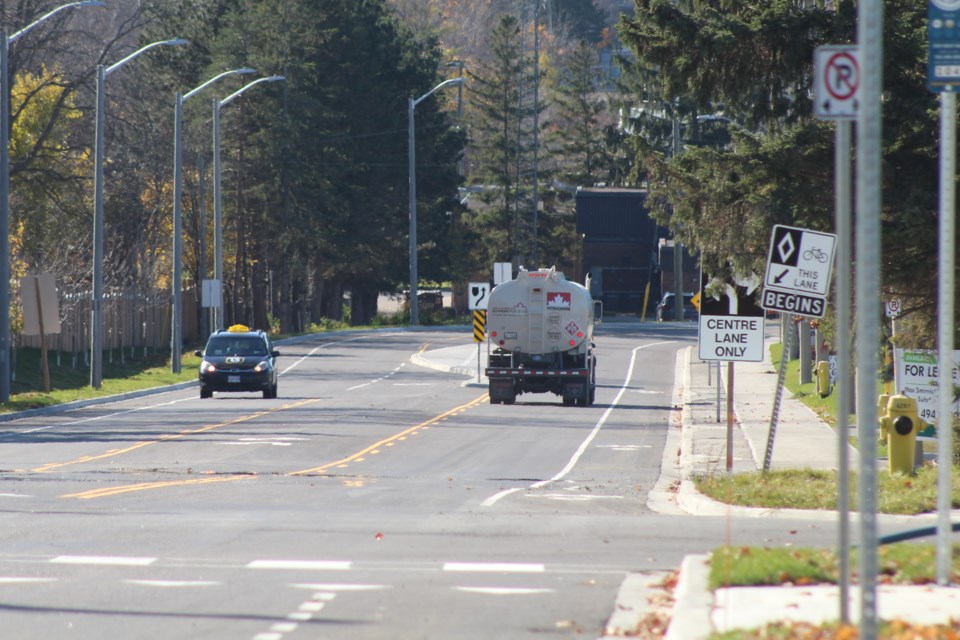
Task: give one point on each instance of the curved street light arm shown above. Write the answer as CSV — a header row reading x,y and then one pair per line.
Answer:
x,y
239,92
437,88
85,3
234,72
120,63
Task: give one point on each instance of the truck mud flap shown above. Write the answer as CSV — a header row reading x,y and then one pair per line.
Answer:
x,y
502,390
575,391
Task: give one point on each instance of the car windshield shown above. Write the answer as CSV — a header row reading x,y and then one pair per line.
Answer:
x,y
236,346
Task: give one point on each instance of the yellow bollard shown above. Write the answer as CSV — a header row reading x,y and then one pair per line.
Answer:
x,y
882,413
901,425
823,379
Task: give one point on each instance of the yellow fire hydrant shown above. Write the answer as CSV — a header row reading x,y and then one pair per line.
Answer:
x,y
823,378
901,425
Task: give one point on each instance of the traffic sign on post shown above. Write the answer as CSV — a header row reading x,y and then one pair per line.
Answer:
x,y
799,264
478,293
836,85
943,45
479,326
731,325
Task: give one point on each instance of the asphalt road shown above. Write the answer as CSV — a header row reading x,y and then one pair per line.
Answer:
x,y
371,499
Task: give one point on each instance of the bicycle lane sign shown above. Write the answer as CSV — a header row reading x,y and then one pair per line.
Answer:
x,y
799,265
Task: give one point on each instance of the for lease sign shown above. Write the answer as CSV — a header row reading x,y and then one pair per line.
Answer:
x,y
916,376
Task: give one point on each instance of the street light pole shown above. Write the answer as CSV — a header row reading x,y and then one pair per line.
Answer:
x,y
5,42
217,214
96,327
412,181
176,321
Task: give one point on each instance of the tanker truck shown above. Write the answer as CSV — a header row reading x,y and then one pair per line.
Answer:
x,y
540,339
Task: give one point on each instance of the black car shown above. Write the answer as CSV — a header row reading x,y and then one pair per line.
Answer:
x,y
238,359
666,310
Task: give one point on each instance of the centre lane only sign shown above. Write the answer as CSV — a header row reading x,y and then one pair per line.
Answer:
x,y
731,325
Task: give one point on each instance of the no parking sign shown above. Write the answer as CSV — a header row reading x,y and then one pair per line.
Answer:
x,y
836,82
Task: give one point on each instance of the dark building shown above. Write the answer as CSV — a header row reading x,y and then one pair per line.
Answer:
x,y
620,243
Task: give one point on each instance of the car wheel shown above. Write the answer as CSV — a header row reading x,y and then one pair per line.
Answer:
x,y
273,391
206,393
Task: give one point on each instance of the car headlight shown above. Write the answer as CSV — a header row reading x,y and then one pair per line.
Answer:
x,y
263,366
207,367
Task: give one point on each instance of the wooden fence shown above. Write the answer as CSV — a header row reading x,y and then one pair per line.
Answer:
x,y
131,320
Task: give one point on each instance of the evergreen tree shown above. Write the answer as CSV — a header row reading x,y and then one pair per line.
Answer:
x,y
575,131
755,59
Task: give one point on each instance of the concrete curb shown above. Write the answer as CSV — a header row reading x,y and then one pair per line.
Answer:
x,y
690,619
79,404
637,593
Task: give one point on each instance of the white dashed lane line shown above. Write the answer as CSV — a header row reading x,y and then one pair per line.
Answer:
x,y
124,561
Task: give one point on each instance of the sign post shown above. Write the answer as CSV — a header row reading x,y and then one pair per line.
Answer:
x,y
479,295
41,314
731,329
837,72
943,77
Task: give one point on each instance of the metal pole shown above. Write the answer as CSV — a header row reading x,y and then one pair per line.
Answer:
x,y
4,219
843,229
730,418
948,172
536,130
202,236
176,319
176,341
217,218
217,211
96,331
718,391
677,247
412,182
868,189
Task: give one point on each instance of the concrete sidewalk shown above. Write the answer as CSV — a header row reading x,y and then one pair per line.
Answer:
x,y
801,440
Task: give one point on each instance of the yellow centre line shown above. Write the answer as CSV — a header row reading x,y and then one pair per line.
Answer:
x,y
172,436
146,486
386,442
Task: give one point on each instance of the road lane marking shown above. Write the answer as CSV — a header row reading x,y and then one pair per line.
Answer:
x,y
356,457
380,379
173,583
19,580
492,500
147,486
494,567
333,586
504,591
311,565
119,561
284,627
172,436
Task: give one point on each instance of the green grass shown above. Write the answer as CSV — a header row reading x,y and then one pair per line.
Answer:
x,y
902,563
70,381
817,489
812,489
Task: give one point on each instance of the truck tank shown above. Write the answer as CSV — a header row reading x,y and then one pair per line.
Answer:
x,y
540,329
